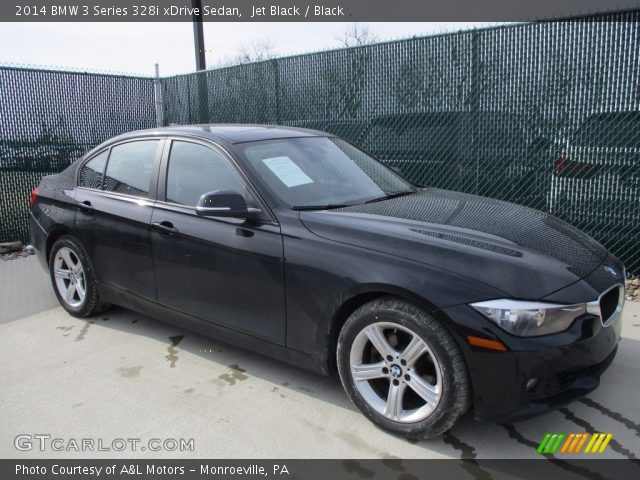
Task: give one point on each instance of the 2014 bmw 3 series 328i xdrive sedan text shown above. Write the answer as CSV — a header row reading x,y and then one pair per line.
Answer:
x,y
298,245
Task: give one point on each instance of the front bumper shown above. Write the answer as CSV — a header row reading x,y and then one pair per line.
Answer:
x,y
567,365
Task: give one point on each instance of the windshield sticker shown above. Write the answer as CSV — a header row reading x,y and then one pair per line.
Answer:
x,y
287,171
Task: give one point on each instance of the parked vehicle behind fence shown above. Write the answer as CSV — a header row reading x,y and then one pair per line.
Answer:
x,y
297,244
596,179
486,153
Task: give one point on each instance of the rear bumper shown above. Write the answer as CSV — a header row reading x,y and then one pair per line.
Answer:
x,y
566,366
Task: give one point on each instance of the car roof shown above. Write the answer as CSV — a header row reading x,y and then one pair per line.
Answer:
x,y
232,133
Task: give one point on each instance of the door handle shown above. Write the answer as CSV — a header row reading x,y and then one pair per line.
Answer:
x,y
165,227
242,232
86,206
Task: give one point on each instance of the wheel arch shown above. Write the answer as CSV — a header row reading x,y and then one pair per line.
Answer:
x,y
56,232
355,299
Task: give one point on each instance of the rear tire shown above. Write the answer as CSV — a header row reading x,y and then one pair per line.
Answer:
x,y
403,369
73,279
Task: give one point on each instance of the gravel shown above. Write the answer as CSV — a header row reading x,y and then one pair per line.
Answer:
x,y
633,289
25,251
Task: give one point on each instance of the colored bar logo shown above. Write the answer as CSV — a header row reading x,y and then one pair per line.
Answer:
x,y
574,443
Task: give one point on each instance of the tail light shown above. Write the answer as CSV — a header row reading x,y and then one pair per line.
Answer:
x,y
34,196
570,168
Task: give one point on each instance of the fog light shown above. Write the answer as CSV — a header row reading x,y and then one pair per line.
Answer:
x,y
531,383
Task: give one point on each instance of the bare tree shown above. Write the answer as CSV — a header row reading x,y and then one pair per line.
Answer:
x,y
254,51
355,35
345,86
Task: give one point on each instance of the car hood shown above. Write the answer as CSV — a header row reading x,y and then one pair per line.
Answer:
x,y
522,252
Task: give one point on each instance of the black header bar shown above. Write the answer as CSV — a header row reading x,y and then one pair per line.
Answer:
x,y
303,10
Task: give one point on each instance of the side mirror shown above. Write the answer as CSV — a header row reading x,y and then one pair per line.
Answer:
x,y
222,203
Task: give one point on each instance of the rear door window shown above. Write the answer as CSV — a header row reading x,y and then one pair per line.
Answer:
x,y
92,172
129,168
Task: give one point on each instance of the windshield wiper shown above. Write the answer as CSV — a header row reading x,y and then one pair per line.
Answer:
x,y
391,195
331,206
318,207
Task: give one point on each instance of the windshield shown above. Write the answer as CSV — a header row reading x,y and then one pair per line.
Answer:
x,y
321,172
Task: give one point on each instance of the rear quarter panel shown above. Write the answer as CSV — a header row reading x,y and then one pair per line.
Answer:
x,y
54,211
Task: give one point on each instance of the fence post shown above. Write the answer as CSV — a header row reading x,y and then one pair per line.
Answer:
x,y
276,75
158,94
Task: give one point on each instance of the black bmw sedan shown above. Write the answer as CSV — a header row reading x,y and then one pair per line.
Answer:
x,y
298,245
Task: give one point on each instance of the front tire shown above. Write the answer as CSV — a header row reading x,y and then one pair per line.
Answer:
x,y
403,369
73,278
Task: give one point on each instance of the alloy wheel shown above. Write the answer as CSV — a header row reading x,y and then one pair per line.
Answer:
x,y
395,372
69,277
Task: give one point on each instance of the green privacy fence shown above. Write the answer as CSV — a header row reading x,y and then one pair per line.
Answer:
x,y
48,119
542,114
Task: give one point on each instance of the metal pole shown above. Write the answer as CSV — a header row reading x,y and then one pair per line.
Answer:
x,y
158,91
198,36
475,109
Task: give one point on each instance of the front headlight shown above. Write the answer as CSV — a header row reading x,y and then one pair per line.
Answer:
x,y
529,319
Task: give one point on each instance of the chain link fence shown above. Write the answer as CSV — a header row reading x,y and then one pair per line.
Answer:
x,y
48,119
542,114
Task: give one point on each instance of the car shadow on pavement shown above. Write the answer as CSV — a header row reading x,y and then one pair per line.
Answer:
x,y
240,360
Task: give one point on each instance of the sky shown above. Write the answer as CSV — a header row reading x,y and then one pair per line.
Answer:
x,y
136,47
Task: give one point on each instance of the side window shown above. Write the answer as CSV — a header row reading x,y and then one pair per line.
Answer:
x,y
129,167
91,172
195,169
